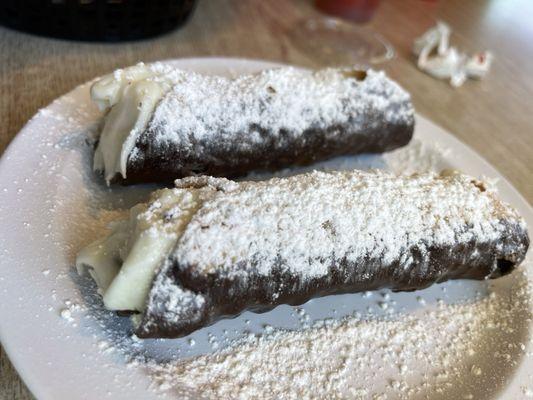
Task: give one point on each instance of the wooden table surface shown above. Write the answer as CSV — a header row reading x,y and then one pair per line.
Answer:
x,y
494,116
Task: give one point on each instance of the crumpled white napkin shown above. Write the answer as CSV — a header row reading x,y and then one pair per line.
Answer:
x,y
438,59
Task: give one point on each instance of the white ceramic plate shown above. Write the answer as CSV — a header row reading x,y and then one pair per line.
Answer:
x,y
65,346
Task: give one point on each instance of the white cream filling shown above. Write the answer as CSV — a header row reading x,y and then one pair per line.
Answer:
x,y
103,256
124,263
129,97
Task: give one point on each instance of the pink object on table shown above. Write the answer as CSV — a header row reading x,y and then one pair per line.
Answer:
x,y
354,10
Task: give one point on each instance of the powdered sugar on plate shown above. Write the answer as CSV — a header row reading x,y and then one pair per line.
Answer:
x,y
443,352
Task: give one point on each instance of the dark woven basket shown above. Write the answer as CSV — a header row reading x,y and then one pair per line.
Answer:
x,y
107,20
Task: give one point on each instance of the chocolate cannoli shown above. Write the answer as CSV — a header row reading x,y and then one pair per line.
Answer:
x,y
163,123
212,248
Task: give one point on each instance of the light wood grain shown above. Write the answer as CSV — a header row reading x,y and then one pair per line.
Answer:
x,y
494,116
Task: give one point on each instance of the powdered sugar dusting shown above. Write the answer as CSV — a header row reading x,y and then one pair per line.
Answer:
x,y
176,301
304,220
205,108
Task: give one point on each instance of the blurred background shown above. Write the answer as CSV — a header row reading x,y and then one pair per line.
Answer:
x,y
493,115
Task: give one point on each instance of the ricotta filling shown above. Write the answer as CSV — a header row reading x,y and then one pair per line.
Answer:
x,y
124,263
129,97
